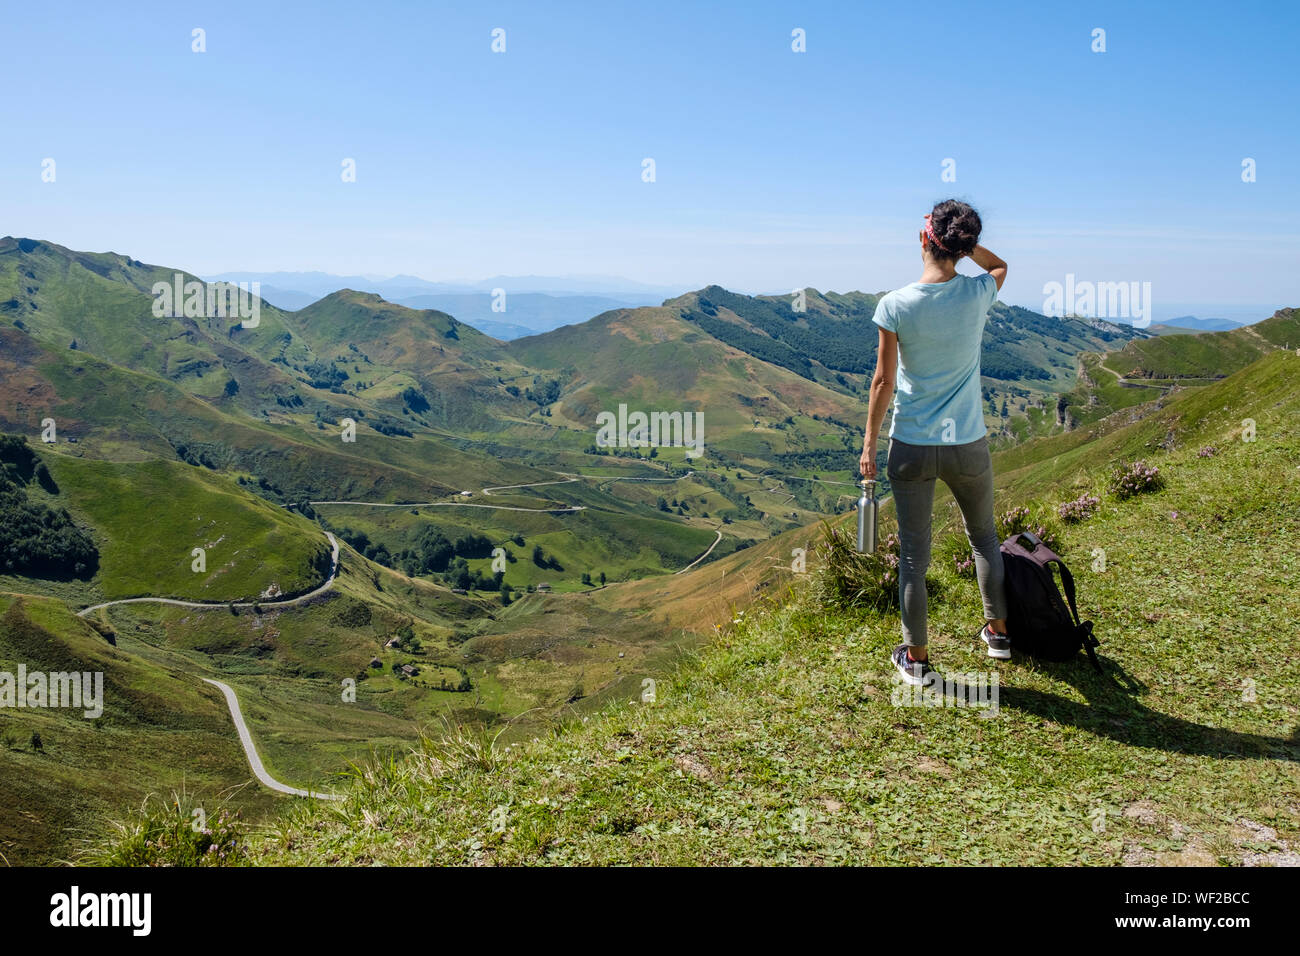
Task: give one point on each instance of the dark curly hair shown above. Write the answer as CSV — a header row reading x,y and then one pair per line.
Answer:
x,y
957,227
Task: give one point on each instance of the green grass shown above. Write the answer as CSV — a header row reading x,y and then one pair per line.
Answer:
x,y
1208,355
161,729
149,516
779,742
546,656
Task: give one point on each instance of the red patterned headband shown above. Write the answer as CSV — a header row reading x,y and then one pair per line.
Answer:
x,y
929,231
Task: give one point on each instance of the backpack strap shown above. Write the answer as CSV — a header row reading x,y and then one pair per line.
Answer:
x,y
1084,627
1067,579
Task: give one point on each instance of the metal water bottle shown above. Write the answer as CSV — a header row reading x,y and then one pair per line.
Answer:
x,y
867,507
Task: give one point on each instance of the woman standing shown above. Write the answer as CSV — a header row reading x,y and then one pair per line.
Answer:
x,y
930,334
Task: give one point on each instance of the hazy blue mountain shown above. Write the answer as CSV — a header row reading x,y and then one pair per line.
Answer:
x,y
526,313
1195,324
393,288
288,299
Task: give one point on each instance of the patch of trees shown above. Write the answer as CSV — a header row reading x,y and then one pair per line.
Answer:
x,y
199,458
542,560
361,542
474,546
390,428
848,426
415,400
844,341
434,553
823,459
325,375
594,449
460,575
999,363
760,346
431,554
35,539
545,394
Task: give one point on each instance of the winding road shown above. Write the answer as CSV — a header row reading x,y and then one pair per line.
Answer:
x,y
447,504
246,738
532,484
232,701
703,556
254,760
1120,379
469,504
287,602
496,488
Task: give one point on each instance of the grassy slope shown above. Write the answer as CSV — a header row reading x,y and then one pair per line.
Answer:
x,y
391,347
1208,355
1146,368
164,730
779,743
161,730
650,359
149,516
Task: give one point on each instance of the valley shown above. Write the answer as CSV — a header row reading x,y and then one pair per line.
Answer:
x,y
405,523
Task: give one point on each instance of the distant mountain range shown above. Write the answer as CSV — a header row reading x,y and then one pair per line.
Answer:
x,y
530,304
1190,323
352,347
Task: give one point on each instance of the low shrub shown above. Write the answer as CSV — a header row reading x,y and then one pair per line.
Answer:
x,y
172,832
1080,509
1135,478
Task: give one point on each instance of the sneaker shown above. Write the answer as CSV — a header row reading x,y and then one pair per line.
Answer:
x,y
999,644
914,672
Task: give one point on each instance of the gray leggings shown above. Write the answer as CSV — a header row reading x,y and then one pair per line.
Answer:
x,y
968,471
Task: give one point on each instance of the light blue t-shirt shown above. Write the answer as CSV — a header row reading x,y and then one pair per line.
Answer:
x,y
939,327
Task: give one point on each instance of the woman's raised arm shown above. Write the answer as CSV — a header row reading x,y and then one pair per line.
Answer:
x,y
990,264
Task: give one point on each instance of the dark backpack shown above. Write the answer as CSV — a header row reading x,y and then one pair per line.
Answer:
x,y
1038,621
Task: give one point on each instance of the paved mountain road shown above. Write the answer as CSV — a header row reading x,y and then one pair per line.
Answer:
x,y
255,761
287,602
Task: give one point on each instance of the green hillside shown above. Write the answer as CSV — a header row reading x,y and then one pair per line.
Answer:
x,y
1208,355
1145,369
423,365
835,334
161,729
654,360
779,743
185,433
149,516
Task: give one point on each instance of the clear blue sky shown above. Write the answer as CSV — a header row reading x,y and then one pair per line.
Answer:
x,y
774,169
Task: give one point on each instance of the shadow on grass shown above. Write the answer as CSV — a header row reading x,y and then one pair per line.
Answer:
x,y
1113,710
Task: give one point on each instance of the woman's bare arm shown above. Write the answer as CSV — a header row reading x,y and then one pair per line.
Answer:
x,y
882,392
990,264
